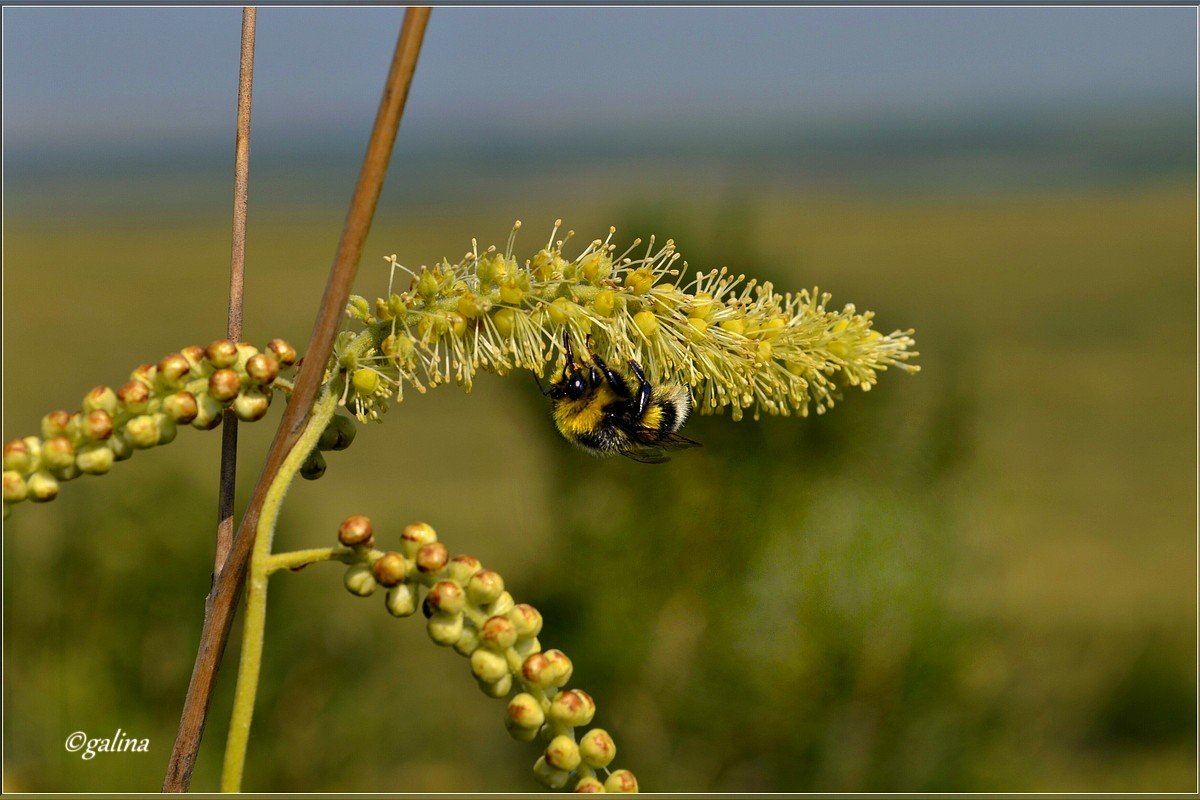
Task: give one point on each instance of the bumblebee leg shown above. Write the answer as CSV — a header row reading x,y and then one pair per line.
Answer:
x,y
594,377
617,383
643,393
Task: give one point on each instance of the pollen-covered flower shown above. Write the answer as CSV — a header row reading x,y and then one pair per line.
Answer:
x,y
734,342
468,608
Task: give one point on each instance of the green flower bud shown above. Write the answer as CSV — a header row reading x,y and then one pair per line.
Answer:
x,y
484,587
501,605
356,531
166,428
511,292
596,266
43,487
263,369
18,455
222,353
251,405
142,432
401,600
181,407
208,413
359,580
621,781
505,320
134,396
390,569
461,568
563,753
120,446
101,398
58,453
640,280
588,786
498,688
15,489
95,459
526,620
358,308
246,351
427,285
284,352
313,466
415,536
562,310
488,666
498,634
572,708
604,302
646,322
597,748
396,306
473,306
524,714
446,597
224,385
55,423
468,642
548,776
171,369
328,437
432,557
344,431
444,629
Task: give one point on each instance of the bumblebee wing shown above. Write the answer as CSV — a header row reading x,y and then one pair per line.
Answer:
x,y
673,441
655,453
646,455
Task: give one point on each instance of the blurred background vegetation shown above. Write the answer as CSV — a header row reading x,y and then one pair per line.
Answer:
x,y
981,578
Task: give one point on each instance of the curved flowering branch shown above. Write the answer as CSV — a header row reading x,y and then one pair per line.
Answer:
x,y
191,387
734,342
468,609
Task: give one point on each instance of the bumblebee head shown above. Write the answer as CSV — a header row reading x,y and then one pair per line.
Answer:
x,y
574,383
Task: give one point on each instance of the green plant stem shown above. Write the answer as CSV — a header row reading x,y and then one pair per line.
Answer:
x,y
295,559
250,660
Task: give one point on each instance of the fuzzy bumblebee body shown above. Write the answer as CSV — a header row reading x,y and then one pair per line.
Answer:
x,y
606,413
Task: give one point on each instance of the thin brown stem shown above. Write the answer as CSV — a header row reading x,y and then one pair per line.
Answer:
x,y
237,273
222,599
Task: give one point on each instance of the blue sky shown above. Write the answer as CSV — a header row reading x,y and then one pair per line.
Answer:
x,y
120,75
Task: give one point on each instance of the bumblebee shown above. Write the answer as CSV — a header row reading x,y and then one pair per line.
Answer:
x,y
606,413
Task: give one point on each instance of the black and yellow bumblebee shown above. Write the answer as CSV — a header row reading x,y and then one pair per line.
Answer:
x,y
606,413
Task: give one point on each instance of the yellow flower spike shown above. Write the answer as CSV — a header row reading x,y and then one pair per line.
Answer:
x,y
838,348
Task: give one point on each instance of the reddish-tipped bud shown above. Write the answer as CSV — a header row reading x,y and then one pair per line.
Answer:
x,y
415,536
621,781
222,353
573,707
550,776
55,423
432,557
282,351
58,453
461,568
498,634
181,407
597,748
224,385
194,354
536,670
588,786
97,425
172,368
524,717
95,459
262,368
143,373
390,569
356,531
15,488
208,413
446,597
43,487
526,620
560,667
135,396
18,455
562,753
102,397
484,587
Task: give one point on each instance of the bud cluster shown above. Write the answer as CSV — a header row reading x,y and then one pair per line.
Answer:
x,y
734,342
192,387
467,608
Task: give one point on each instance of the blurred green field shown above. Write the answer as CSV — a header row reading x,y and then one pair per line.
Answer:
x,y
981,578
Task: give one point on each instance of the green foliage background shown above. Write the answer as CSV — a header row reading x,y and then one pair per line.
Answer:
x,y
980,578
